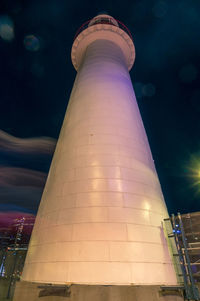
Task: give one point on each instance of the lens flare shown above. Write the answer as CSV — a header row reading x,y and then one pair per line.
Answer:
x,y
194,172
188,73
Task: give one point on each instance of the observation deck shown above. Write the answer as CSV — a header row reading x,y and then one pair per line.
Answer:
x,y
103,27
103,20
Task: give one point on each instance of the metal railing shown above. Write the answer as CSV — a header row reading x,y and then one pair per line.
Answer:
x,y
103,20
183,253
13,247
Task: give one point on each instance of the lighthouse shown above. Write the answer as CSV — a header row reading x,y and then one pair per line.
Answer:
x,y
100,220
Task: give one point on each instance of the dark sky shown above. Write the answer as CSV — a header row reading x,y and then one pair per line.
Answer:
x,y
37,76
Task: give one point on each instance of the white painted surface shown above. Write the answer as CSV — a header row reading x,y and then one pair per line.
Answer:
x,y
100,218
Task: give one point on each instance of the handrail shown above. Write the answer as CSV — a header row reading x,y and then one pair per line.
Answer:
x,y
103,21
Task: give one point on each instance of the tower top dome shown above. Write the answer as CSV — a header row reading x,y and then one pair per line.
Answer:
x,y
103,26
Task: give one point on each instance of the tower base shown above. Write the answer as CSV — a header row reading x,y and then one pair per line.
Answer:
x,y
76,292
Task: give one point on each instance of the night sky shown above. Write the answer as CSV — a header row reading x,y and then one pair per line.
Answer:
x,y
37,76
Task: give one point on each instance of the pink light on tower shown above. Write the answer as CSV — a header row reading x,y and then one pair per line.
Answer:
x,y
100,217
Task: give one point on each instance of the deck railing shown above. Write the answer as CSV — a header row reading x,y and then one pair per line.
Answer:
x,y
104,20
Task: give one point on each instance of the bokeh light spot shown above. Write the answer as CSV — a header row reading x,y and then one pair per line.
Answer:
x,y
6,28
188,73
37,70
138,89
31,43
148,90
160,9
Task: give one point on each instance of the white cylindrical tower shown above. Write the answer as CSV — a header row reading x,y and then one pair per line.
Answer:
x,y
100,218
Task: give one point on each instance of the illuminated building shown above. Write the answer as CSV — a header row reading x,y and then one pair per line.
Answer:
x,y
100,218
